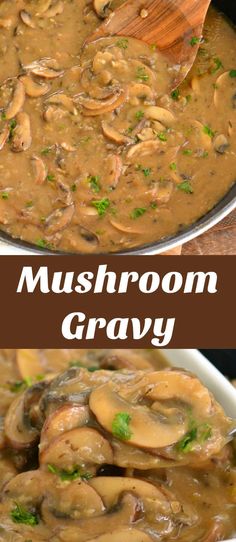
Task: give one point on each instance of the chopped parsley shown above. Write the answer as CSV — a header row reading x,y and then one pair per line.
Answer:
x,y
20,515
69,475
101,205
12,125
21,385
196,434
73,187
91,369
4,195
50,177
232,73
3,116
120,426
175,94
122,43
218,65
207,130
29,204
162,136
42,243
195,40
137,212
187,152
186,187
173,166
153,47
139,115
145,170
45,151
94,183
188,97
141,74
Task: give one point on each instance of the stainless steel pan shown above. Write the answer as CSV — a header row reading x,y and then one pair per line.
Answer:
x,y
8,245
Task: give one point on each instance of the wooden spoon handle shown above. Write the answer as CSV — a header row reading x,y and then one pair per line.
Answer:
x,y
168,23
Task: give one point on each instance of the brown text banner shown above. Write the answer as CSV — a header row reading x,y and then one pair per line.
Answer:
x,y
103,302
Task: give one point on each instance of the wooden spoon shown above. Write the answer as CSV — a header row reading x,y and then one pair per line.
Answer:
x,y
174,26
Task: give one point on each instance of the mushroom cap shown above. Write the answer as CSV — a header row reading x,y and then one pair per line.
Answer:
x,y
19,434
63,419
79,447
110,488
147,429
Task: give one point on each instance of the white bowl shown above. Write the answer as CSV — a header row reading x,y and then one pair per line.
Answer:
x,y
195,362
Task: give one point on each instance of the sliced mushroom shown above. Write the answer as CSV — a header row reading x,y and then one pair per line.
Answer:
x,y
56,8
21,137
199,131
123,228
64,419
140,91
125,359
102,7
26,18
33,89
115,170
64,100
119,535
40,170
160,114
146,429
70,504
43,6
93,104
28,363
52,113
46,68
163,191
17,101
221,143
18,434
113,135
144,148
83,447
4,136
110,489
88,236
59,219
93,108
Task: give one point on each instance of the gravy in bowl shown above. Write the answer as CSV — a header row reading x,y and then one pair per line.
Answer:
x,y
96,154
111,444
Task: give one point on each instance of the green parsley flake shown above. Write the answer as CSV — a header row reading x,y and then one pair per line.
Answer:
x,y
207,130
141,74
50,177
186,187
69,475
173,166
218,65
175,94
45,151
162,136
139,115
94,182
73,187
101,205
145,170
5,195
21,385
232,73
122,43
42,243
187,152
137,212
120,426
20,515
195,40
12,125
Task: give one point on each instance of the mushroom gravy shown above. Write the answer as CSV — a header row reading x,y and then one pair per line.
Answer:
x,y
95,154
116,447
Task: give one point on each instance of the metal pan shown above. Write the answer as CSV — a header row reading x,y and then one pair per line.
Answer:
x,y
8,245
